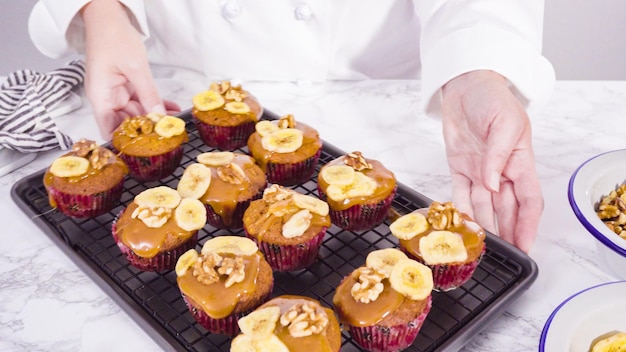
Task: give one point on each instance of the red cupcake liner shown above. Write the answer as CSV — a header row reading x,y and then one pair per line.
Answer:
x,y
294,173
163,261
153,168
447,277
225,326
360,217
290,257
378,338
86,206
236,218
225,137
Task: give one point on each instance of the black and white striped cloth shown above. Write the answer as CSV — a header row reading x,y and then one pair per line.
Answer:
x,y
25,99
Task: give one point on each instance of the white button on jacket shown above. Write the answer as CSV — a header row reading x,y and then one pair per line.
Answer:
x,y
303,12
231,9
326,39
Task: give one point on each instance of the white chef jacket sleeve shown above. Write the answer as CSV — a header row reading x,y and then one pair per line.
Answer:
x,y
57,30
459,36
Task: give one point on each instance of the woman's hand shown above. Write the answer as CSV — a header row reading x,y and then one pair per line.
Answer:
x,y
488,144
118,80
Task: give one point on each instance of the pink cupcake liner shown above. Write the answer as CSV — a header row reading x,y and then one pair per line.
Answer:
x,y
378,338
236,218
86,206
225,137
226,326
447,277
153,168
290,257
292,174
361,217
161,262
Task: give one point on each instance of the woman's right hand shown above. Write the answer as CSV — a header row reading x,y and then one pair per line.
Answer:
x,y
118,80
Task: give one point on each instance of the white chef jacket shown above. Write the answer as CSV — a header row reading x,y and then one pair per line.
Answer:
x,y
431,40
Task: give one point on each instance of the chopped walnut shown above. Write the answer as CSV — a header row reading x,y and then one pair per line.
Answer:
x,y
101,157
221,87
287,121
304,319
134,126
443,216
234,269
356,161
231,173
235,94
276,193
612,210
204,268
97,156
83,147
368,286
152,217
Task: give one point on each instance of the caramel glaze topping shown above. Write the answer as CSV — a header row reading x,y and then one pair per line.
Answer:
x,y
473,238
311,143
359,314
146,145
312,343
147,242
264,225
385,179
222,117
217,300
223,196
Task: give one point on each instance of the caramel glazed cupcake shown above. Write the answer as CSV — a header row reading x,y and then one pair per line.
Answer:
x,y
288,226
226,183
358,190
446,240
385,302
85,182
227,280
151,145
225,115
286,150
157,228
289,323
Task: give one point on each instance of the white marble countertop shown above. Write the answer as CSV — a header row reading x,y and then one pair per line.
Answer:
x,y
48,304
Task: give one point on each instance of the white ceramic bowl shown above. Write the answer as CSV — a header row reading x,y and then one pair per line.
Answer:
x,y
583,317
594,179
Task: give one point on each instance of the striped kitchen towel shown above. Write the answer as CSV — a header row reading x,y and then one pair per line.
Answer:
x,y
25,99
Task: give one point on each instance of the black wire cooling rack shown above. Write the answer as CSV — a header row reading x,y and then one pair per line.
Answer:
x,y
153,299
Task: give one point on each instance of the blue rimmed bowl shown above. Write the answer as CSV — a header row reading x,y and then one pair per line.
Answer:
x,y
584,317
594,179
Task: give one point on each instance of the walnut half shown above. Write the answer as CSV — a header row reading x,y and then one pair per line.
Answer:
x,y
152,217
287,121
210,266
231,173
234,269
356,161
134,126
443,216
368,286
304,319
204,269
100,157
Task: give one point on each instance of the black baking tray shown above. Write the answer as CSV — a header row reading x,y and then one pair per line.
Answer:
x,y
153,300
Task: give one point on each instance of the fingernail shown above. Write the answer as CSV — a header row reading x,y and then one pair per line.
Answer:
x,y
159,109
494,182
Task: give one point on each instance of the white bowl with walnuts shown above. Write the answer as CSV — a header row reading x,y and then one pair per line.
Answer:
x,y
597,195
